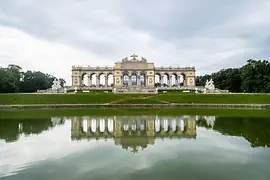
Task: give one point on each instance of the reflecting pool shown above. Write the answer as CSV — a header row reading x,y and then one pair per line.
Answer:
x,y
135,147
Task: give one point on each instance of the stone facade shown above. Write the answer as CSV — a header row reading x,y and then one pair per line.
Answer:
x,y
134,74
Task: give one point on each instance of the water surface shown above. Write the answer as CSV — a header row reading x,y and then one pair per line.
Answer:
x,y
135,147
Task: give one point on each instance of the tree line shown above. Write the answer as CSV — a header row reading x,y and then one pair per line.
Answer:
x,y
253,77
14,80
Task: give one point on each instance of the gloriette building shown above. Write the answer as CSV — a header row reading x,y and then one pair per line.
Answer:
x,y
133,75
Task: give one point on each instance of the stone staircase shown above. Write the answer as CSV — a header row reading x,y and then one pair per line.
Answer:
x,y
136,89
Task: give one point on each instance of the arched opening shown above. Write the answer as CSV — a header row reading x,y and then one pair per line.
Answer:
x,y
142,125
85,81
134,79
174,80
173,125
166,125
125,125
182,125
134,126
125,80
157,125
101,80
93,78
142,80
110,125
157,80
85,126
110,80
93,125
181,80
166,80
102,125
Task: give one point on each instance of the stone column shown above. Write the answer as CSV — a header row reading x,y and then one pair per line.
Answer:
x,y
106,80
138,80
129,81
122,80
98,81
161,81
170,81
185,82
89,81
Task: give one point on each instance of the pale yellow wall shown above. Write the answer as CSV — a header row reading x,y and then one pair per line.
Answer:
x,y
191,82
76,78
150,127
118,128
118,81
117,78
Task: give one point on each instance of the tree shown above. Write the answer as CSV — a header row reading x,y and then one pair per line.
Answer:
x,y
62,82
13,79
7,81
201,80
255,76
33,81
17,75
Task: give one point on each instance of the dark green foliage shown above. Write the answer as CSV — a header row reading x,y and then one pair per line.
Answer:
x,y
13,80
11,129
7,81
252,129
254,77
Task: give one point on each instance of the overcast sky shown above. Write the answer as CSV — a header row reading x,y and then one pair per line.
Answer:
x,y
53,35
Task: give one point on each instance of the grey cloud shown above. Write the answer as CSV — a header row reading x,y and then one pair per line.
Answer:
x,y
212,34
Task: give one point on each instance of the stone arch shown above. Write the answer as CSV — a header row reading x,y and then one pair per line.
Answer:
x,y
182,125
93,77
101,80
166,77
134,78
174,80
182,79
125,78
143,78
84,79
110,126
142,125
157,79
110,77
85,125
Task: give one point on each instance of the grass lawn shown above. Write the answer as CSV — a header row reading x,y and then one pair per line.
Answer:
x,y
109,98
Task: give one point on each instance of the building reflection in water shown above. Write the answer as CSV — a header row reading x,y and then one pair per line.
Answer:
x,y
133,132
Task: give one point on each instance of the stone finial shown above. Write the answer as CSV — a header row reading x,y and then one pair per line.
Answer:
x,y
143,59
125,59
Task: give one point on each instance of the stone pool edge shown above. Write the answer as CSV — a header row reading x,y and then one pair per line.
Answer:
x,y
95,106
